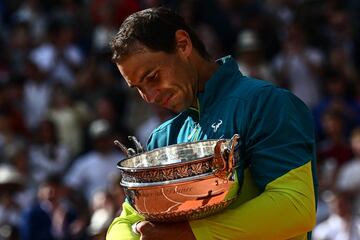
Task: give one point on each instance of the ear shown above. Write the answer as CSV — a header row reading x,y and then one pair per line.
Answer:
x,y
183,43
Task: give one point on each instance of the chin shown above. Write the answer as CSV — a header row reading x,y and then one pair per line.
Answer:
x,y
176,108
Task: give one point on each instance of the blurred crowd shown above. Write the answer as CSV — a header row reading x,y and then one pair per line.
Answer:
x,y
63,103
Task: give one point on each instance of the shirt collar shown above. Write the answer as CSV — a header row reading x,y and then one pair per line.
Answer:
x,y
219,83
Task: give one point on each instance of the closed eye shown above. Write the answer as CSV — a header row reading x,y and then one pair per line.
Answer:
x,y
152,77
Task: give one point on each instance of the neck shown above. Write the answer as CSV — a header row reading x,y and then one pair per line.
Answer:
x,y
205,71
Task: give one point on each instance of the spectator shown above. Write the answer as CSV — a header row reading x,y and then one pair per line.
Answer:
x,y
103,211
50,216
31,12
11,181
334,150
298,66
70,118
105,27
342,223
349,178
338,94
20,46
60,58
11,104
21,163
9,140
92,171
250,58
47,156
37,92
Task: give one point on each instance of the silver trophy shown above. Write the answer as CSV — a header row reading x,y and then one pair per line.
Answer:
x,y
183,181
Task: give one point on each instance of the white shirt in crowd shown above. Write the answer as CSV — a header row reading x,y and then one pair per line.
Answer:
x,y
335,228
93,172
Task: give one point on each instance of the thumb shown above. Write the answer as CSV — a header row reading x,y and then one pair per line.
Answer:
x,y
144,226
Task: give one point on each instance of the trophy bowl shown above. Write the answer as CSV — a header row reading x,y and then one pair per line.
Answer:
x,y
183,181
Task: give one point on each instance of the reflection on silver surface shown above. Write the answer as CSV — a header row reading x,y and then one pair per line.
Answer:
x,y
178,153
183,181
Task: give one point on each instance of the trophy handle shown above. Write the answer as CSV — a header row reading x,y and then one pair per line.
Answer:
x,y
223,162
129,152
138,146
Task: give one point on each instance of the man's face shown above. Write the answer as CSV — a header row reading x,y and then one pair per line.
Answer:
x,y
167,80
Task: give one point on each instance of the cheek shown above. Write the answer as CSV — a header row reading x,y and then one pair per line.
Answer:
x,y
183,99
180,72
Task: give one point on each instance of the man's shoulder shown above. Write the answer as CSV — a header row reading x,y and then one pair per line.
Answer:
x,y
248,88
261,89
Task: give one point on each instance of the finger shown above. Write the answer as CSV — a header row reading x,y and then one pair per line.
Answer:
x,y
134,229
143,226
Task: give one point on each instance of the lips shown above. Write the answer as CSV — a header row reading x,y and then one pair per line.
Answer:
x,y
165,100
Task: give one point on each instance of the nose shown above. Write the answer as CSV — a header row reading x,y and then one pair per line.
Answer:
x,y
150,95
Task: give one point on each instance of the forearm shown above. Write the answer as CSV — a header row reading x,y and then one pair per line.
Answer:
x,y
286,209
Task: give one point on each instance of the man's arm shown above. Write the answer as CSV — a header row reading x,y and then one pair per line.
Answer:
x,y
285,209
279,146
120,228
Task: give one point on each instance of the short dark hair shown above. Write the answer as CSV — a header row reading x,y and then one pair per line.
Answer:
x,y
154,28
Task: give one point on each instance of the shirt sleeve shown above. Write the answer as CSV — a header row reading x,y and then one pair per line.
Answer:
x,y
285,210
120,228
280,149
